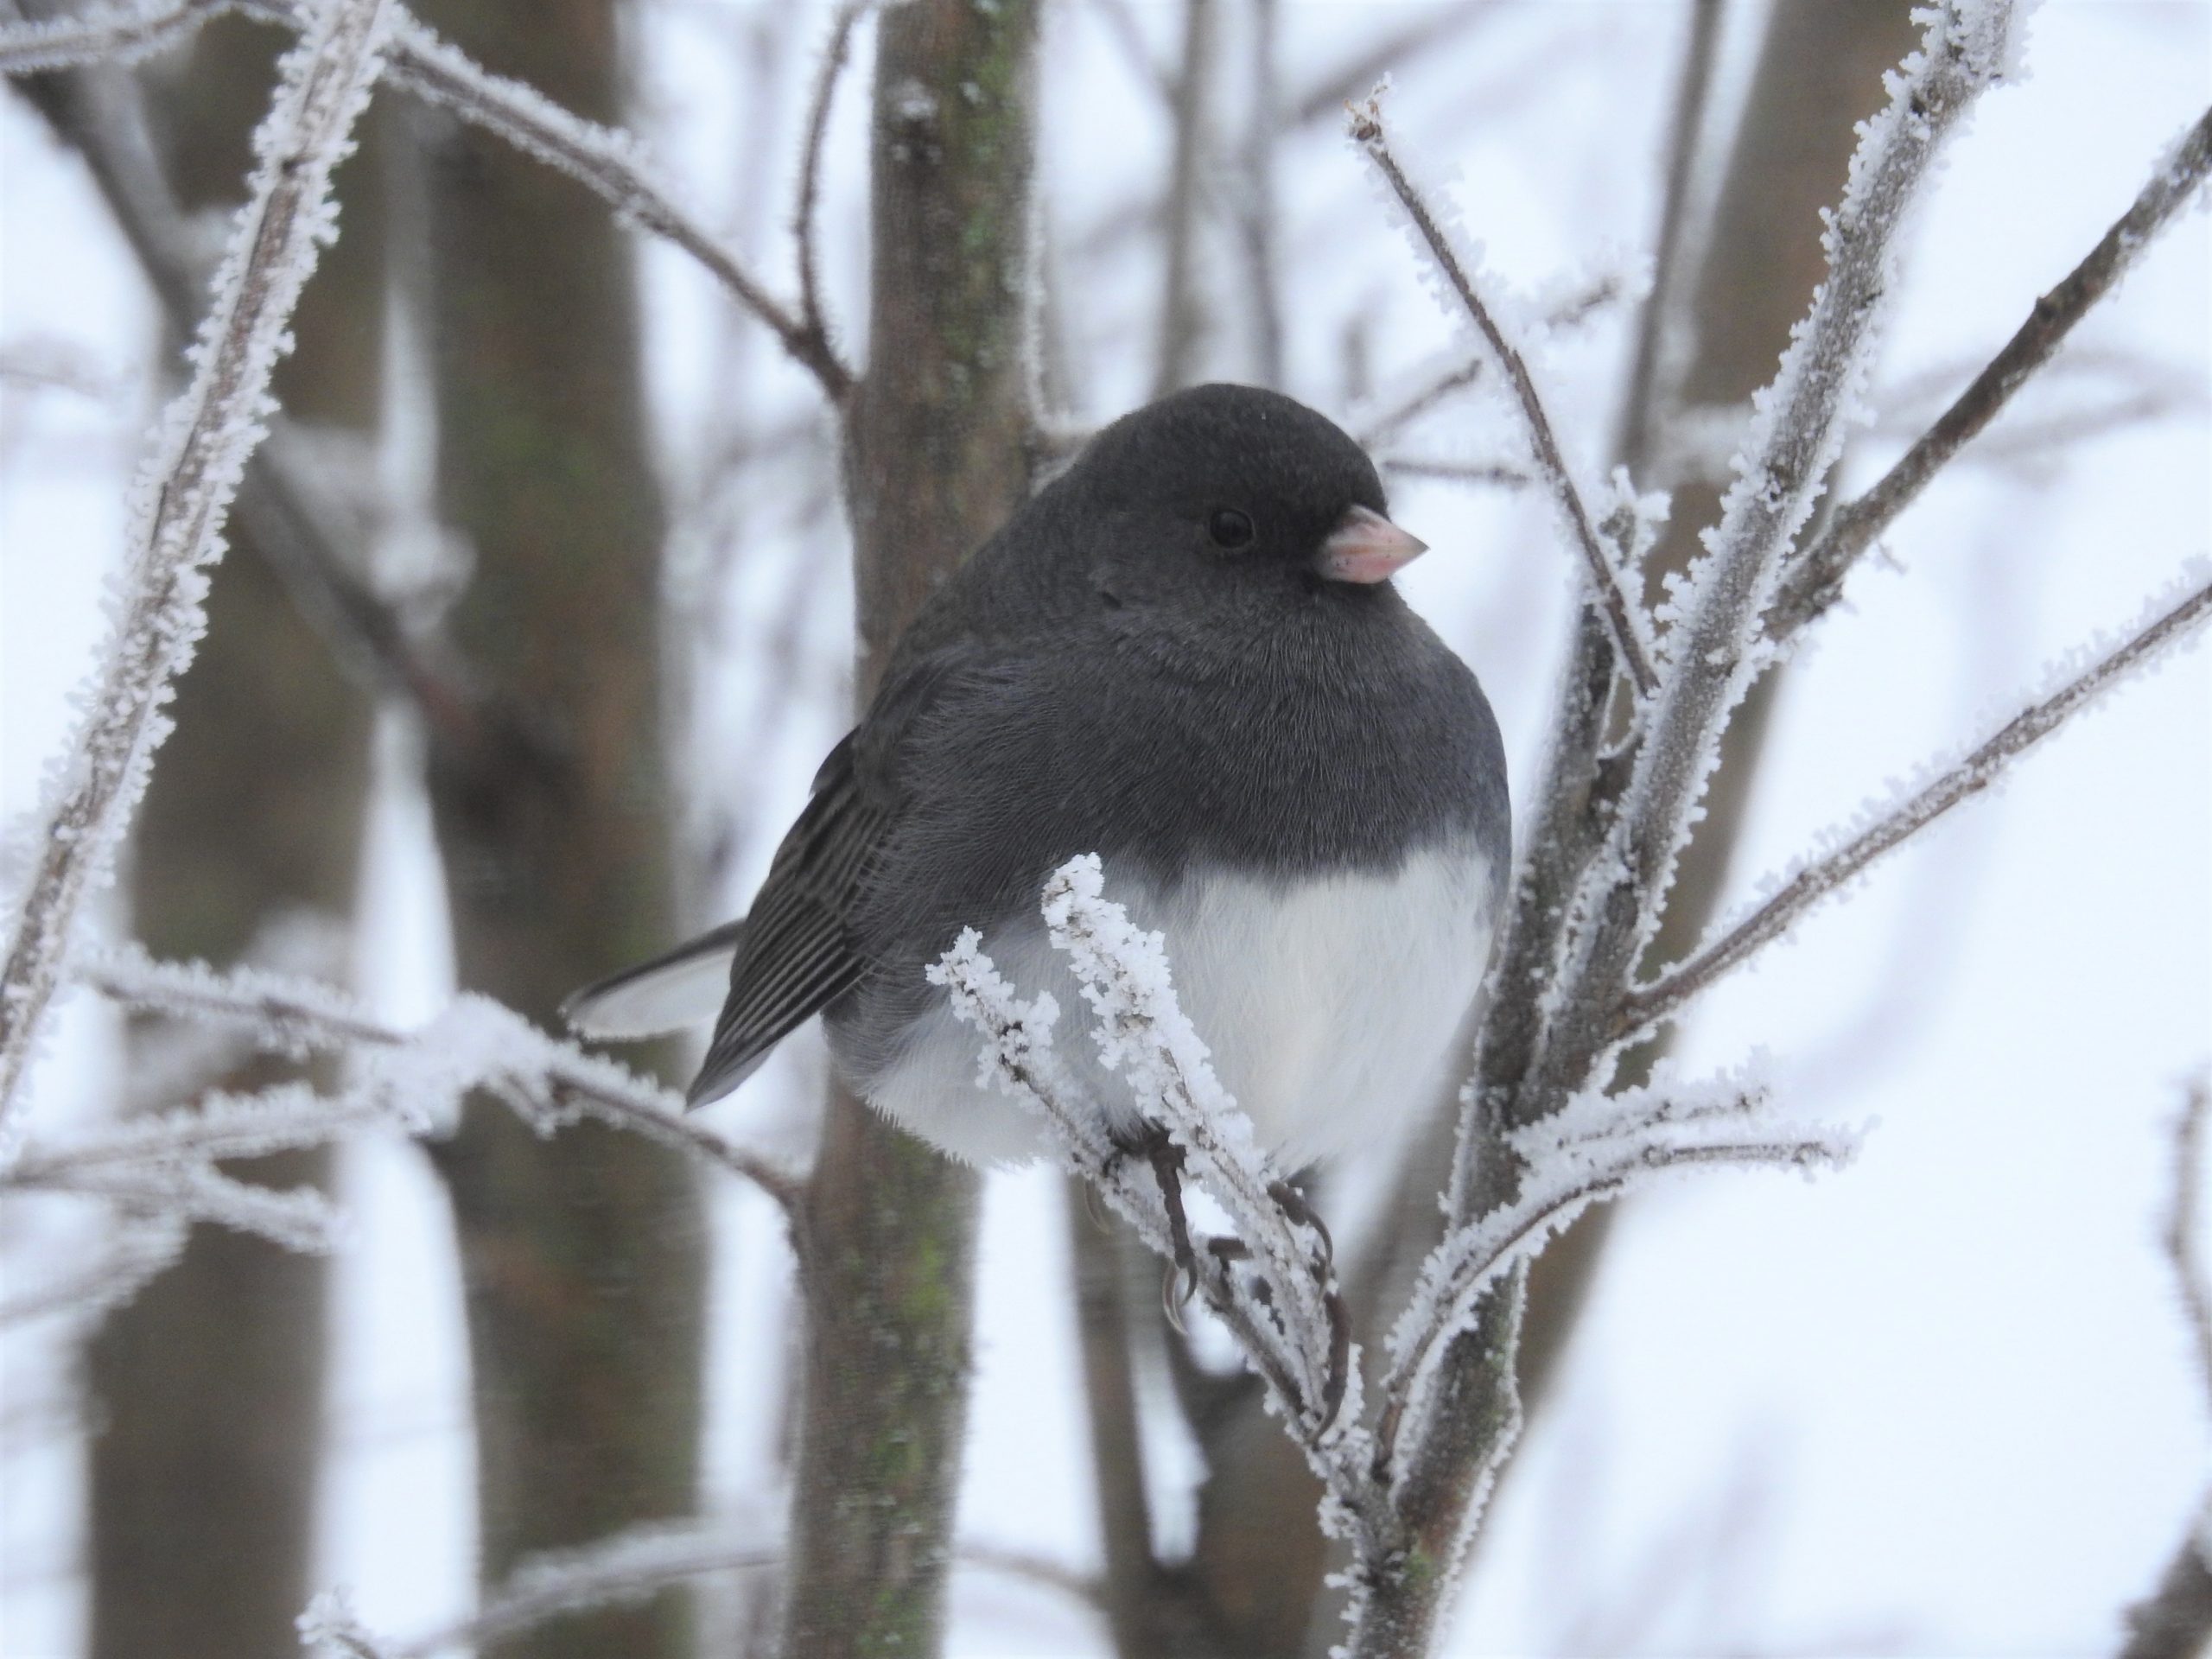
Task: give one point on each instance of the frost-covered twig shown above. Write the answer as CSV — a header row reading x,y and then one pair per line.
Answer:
x,y
103,33
2171,623
1286,1337
184,499
1380,426
2175,1620
1455,472
1591,1152
606,161
1714,650
164,1164
1623,612
629,1566
834,57
1814,580
1143,1034
145,1246
475,1044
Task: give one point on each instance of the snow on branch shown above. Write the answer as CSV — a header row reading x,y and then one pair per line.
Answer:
x,y
1594,1150
1276,1309
607,160
423,1075
2171,622
1814,579
1714,649
1624,617
183,502
103,33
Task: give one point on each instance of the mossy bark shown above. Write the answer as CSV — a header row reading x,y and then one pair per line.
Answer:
x,y
935,460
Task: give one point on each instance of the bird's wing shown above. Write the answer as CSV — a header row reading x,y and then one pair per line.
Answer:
x,y
797,955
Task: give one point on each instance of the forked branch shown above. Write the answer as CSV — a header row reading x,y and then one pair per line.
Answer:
x,y
1645,1006
1623,613
1814,580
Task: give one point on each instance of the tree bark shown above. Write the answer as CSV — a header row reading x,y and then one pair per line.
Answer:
x,y
581,1255
935,460
208,1387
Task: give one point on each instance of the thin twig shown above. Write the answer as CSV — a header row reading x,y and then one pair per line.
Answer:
x,y
1645,1006
1716,650
2184,1233
1814,580
188,484
299,1016
1455,472
104,34
1379,429
605,160
833,58
1641,404
1624,615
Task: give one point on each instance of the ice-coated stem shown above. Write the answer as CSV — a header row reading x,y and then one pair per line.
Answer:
x,y
1624,614
1645,1006
183,501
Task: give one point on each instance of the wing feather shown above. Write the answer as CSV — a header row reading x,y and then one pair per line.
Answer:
x,y
798,955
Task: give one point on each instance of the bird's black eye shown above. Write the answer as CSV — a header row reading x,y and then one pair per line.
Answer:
x,y
1229,529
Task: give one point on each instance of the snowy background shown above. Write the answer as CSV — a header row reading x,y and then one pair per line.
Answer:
x,y
1938,1404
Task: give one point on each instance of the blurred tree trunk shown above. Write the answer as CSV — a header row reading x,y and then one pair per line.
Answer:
x,y
583,1253
935,460
207,1388
1820,74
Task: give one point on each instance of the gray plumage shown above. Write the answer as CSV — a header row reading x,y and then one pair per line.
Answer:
x,y
1105,675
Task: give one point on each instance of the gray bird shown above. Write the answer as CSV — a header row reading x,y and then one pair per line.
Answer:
x,y
1185,655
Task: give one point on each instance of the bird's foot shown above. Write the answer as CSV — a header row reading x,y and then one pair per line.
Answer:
x,y
1166,1159
1293,1204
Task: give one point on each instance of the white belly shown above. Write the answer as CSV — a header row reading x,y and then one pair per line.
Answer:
x,y
1329,1004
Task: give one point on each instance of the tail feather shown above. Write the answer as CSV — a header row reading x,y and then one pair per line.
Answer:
x,y
686,986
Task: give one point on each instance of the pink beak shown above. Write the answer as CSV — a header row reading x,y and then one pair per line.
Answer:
x,y
1365,547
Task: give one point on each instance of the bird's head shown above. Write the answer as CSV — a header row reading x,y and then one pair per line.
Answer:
x,y
1224,489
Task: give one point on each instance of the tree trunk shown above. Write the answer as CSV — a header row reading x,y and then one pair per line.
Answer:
x,y
935,460
208,1387
583,1253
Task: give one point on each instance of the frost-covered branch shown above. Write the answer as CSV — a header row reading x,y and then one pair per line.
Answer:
x,y
183,500
475,1044
143,1247
1143,1034
1623,613
606,161
1274,1303
2172,622
1714,649
103,33
1814,580
1593,1150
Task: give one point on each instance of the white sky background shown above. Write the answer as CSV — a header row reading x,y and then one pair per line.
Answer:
x,y
1936,1404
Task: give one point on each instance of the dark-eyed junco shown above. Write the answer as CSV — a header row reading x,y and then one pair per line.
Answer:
x,y
1185,655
